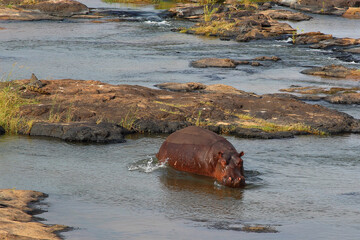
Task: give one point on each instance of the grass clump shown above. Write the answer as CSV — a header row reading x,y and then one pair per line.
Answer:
x,y
10,103
128,121
247,121
214,28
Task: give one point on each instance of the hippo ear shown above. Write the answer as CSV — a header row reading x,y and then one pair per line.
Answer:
x,y
241,154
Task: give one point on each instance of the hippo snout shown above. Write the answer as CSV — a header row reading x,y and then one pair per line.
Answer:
x,y
234,182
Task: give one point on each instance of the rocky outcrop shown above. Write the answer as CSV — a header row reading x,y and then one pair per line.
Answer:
x,y
16,217
346,48
335,71
80,131
311,38
2,130
40,9
352,13
240,25
286,15
142,109
335,7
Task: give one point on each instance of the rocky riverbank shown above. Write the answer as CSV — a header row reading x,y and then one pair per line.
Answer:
x,y
92,111
17,212
345,8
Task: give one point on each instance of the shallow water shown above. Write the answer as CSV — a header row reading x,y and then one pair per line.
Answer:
x,y
305,188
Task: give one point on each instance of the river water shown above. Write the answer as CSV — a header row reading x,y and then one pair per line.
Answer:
x,y
305,188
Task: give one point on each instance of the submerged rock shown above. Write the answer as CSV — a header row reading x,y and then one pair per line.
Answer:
x,y
80,132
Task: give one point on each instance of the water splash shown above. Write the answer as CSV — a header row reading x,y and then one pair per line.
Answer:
x,y
147,166
157,23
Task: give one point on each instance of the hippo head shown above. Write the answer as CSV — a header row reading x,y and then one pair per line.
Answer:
x,y
231,170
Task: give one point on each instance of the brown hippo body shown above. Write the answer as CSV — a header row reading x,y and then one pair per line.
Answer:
x,y
200,151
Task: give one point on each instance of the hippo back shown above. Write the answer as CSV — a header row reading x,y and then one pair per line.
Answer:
x,y
193,149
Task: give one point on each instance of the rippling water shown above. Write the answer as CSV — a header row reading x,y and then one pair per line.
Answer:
x,y
305,188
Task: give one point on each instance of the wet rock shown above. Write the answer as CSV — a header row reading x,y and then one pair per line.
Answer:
x,y
16,217
260,134
286,15
344,98
259,229
2,130
182,87
41,10
156,126
355,50
267,58
352,13
311,37
336,71
214,62
80,132
342,42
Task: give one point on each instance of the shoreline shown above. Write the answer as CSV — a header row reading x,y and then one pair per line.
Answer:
x,y
17,210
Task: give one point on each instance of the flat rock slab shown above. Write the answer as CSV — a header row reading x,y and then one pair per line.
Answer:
x,y
200,87
16,218
139,108
80,132
230,63
334,71
214,62
286,15
41,10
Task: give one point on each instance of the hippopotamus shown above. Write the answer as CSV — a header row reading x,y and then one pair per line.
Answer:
x,y
200,151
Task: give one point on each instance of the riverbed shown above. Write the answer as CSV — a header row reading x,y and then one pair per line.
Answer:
x,y
304,188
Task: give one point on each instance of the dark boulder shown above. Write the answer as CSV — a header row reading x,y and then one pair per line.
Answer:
x,y
2,130
80,132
